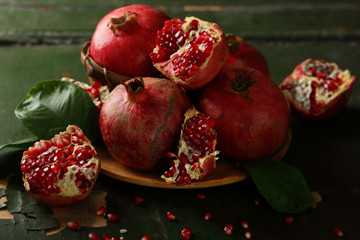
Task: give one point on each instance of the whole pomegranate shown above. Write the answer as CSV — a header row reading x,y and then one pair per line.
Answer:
x,y
244,55
60,171
317,89
124,39
190,52
141,120
196,152
252,115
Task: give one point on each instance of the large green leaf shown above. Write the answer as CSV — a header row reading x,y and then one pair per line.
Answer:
x,y
51,106
283,186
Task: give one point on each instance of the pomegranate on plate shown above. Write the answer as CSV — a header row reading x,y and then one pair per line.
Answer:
x,y
317,89
196,152
252,115
190,52
124,39
141,120
61,171
244,55
96,91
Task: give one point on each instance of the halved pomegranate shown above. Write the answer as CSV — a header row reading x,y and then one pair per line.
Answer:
x,y
61,171
190,52
96,91
196,152
317,89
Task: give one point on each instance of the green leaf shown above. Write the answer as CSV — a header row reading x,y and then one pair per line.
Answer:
x,y
282,185
51,106
21,144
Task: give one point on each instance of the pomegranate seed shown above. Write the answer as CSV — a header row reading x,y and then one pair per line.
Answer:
x,y
145,237
101,211
74,225
338,232
94,236
289,220
112,217
170,216
248,234
115,238
186,233
106,237
123,230
138,200
208,216
200,196
256,201
244,224
228,229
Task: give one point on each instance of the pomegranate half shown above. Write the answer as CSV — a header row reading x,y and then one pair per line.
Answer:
x,y
252,115
124,39
61,171
317,89
190,52
141,120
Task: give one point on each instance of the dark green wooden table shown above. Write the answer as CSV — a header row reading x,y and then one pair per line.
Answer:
x,y
41,40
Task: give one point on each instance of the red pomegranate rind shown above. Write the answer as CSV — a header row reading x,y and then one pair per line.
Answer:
x,y
124,39
190,52
197,153
244,55
317,90
60,171
96,91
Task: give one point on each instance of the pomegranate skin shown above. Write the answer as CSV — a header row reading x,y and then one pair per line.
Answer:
x,y
127,51
251,123
244,55
138,130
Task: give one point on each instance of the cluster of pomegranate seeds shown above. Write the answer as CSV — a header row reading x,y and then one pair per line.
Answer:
x,y
177,33
47,162
197,143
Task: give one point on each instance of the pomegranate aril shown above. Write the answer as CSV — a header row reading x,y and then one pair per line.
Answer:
x,y
112,217
138,200
145,237
201,196
106,237
74,225
170,216
289,220
338,232
186,233
244,224
94,236
228,229
248,234
208,215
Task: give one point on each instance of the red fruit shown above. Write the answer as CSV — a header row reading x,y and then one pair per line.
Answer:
x,y
96,91
74,225
251,113
186,233
196,152
244,55
141,120
60,171
228,229
190,52
124,39
317,89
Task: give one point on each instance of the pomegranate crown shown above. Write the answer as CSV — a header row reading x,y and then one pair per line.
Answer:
x,y
121,22
241,82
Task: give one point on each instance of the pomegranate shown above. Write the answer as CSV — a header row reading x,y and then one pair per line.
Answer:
x,y
141,120
196,153
124,39
244,55
61,171
190,52
251,113
317,89
96,91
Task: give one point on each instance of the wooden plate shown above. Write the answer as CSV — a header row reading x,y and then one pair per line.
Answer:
x,y
224,173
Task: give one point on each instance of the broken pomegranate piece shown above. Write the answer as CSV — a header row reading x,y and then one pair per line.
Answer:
x,y
190,52
317,90
60,171
96,91
196,153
